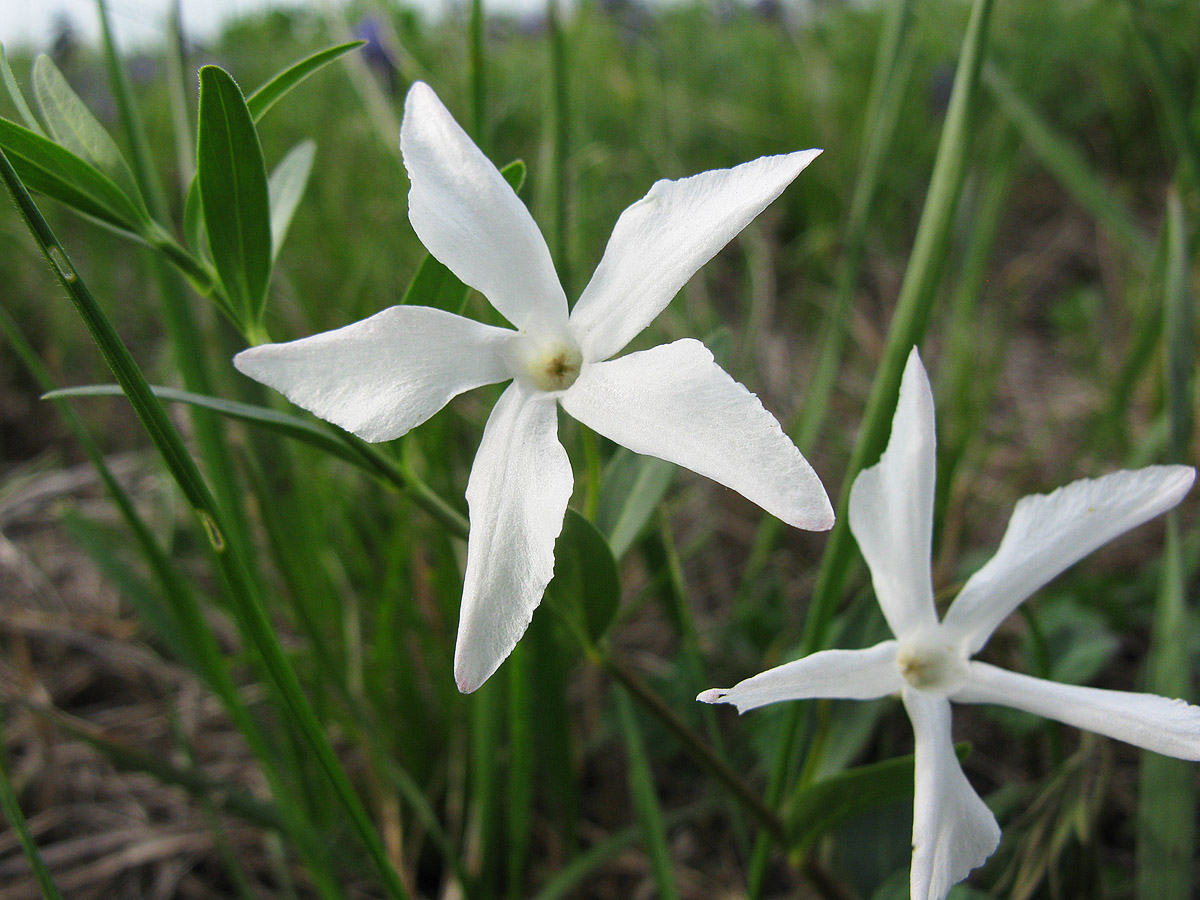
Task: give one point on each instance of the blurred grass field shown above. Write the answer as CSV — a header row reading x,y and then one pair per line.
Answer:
x,y
1045,347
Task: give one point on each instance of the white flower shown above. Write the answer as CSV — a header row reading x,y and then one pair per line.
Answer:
x,y
929,662
386,374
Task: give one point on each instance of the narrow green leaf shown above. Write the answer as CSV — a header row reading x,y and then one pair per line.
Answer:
x,y
630,491
72,124
285,187
12,810
911,317
436,286
270,93
233,193
281,423
18,98
1067,164
645,799
819,807
585,575
1167,800
52,170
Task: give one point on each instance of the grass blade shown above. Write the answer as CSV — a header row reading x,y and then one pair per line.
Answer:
x,y
1167,800
12,809
1069,167
645,799
911,316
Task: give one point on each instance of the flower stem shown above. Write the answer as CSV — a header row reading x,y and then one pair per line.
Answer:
x,y
693,744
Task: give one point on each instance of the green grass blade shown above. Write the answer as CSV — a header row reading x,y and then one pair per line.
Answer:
x,y
1169,96
477,73
15,94
285,187
522,753
911,317
274,90
233,194
74,127
630,491
571,875
249,607
16,818
645,799
1167,800
1066,164
52,170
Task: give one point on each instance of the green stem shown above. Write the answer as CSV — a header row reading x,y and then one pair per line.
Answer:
x,y
694,745
910,319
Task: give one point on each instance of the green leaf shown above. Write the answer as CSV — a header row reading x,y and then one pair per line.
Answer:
x,y
631,489
72,124
285,187
270,93
14,92
233,193
281,423
585,575
645,799
52,170
1067,164
819,807
436,286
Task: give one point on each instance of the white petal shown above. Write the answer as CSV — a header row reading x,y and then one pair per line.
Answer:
x,y
953,830
660,242
517,493
384,375
469,218
675,403
1049,532
891,509
836,674
1170,727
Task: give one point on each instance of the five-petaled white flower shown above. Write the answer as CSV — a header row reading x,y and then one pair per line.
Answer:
x,y
929,662
386,374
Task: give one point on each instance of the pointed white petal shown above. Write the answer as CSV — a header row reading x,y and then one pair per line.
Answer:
x,y
517,493
469,218
953,830
1049,532
891,509
676,403
660,242
1170,727
836,674
384,375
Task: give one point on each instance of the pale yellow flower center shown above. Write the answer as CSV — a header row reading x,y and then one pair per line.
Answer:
x,y
554,365
931,666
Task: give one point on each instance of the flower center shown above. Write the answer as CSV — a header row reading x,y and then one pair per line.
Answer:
x,y
930,666
554,365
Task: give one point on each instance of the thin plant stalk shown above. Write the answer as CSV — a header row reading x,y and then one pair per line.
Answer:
x,y
911,316
1167,799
